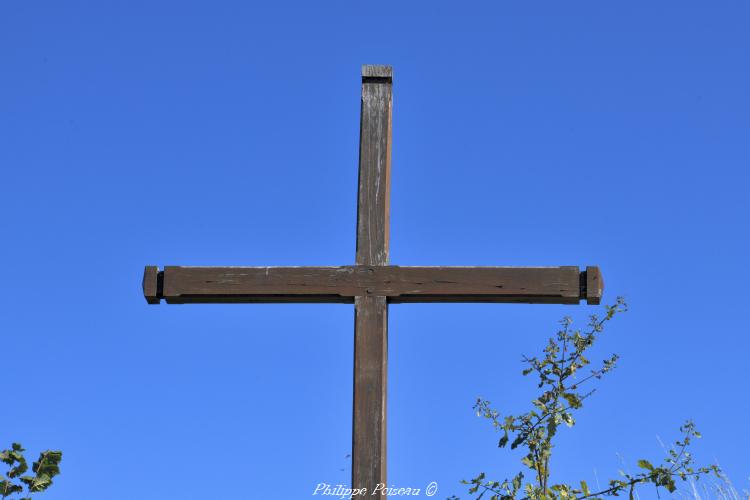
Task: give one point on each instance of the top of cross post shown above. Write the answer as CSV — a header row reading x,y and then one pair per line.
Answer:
x,y
377,72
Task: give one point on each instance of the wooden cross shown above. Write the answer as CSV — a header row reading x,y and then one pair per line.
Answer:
x,y
372,284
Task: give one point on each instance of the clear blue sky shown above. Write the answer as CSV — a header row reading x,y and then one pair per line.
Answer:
x,y
226,133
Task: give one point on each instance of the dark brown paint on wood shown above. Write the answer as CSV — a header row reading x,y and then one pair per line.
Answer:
x,y
399,284
371,309
372,284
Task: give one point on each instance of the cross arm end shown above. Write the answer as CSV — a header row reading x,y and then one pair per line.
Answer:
x,y
153,284
592,285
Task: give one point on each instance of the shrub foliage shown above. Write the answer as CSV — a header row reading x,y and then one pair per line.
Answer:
x,y
564,377
16,482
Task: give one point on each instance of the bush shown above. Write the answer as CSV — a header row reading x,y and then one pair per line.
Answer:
x,y
559,370
15,483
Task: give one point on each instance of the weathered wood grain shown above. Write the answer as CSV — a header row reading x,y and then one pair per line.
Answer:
x,y
370,393
371,310
373,213
560,285
376,71
150,284
594,285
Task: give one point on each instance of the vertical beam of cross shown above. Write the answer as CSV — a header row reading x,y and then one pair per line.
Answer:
x,y
371,312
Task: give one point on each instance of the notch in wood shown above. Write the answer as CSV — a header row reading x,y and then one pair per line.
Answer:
x,y
592,285
376,73
153,284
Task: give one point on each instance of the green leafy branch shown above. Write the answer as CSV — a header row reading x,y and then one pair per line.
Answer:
x,y
679,465
559,376
14,482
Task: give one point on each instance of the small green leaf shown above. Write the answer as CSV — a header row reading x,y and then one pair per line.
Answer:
x,y
503,441
585,488
670,485
8,488
517,481
645,464
568,419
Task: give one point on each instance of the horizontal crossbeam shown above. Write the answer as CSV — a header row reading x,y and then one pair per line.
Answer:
x,y
542,285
